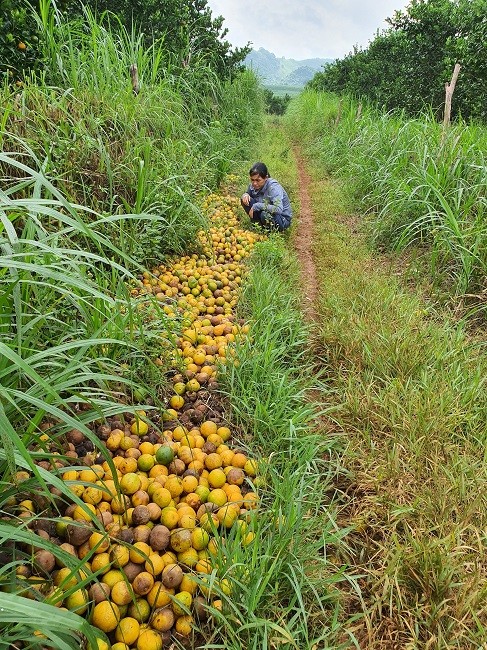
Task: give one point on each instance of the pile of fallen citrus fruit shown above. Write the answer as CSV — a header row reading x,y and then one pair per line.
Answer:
x,y
150,515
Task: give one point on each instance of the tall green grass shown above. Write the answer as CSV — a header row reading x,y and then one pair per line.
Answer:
x,y
116,153
97,184
419,185
287,587
406,387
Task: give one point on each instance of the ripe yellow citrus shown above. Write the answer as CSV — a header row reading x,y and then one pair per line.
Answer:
x,y
105,616
127,631
184,625
182,603
162,497
122,593
188,558
175,486
199,538
217,478
140,552
149,640
146,462
208,427
130,483
155,564
139,427
140,610
159,595
218,497
213,461
170,517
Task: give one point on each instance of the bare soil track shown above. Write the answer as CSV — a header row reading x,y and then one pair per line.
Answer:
x,y
302,242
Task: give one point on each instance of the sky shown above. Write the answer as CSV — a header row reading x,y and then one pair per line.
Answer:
x,y
304,29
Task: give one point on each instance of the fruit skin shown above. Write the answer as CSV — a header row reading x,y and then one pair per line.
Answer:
x,y
127,631
162,619
164,455
106,616
149,640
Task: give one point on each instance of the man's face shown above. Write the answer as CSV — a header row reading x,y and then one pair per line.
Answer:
x,y
257,182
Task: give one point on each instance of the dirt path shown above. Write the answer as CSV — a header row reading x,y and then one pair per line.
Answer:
x,y
302,241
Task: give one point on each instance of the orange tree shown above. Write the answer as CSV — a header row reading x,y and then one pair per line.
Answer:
x,y
188,28
407,65
18,41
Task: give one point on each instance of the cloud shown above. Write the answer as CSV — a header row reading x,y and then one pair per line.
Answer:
x,y
301,29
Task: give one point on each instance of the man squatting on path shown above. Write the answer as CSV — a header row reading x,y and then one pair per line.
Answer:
x,y
266,201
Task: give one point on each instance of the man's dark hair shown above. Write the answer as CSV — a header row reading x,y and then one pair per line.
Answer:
x,y
259,168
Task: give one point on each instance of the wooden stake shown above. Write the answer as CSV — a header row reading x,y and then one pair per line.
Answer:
x,y
134,74
449,90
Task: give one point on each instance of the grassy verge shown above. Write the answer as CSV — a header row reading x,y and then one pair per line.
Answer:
x,y
408,389
287,585
422,188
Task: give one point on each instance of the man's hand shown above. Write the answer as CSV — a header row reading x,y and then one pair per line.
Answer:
x,y
251,213
245,198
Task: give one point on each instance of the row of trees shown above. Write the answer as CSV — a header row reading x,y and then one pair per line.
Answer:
x,y
407,65
187,28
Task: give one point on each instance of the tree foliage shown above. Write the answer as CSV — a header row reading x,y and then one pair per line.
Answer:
x,y
407,65
274,104
187,27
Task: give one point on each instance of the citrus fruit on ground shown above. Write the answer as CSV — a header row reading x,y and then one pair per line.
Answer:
x,y
139,427
180,540
127,631
155,564
130,483
177,402
77,601
172,575
179,388
145,462
121,593
140,552
149,640
228,515
161,497
175,486
224,433
184,625
208,427
170,517
105,616
188,558
143,583
112,577
218,497
181,603
159,595
140,610
209,522
203,492
189,583
199,538
217,478
162,619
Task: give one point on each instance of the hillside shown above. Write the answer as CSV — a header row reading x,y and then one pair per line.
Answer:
x,y
280,71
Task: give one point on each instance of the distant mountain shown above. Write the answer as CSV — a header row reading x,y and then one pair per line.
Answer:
x,y
279,71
